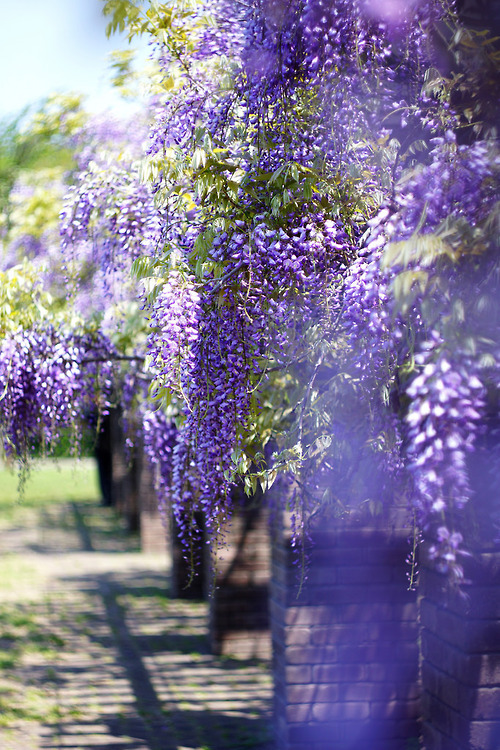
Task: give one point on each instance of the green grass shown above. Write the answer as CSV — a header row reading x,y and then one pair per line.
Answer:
x,y
29,704
22,632
49,481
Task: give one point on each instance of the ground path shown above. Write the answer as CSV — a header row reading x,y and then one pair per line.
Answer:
x,y
94,654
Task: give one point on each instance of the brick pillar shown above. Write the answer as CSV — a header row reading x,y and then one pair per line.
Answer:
x,y
124,483
239,612
154,526
461,630
132,488
345,645
461,657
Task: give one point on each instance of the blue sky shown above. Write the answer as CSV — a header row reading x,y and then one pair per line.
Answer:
x,y
51,46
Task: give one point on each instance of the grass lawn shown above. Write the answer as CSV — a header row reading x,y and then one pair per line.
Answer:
x,y
50,481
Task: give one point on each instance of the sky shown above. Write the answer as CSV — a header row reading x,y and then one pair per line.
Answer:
x,y
49,46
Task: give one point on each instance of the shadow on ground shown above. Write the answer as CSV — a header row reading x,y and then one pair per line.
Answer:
x,y
119,664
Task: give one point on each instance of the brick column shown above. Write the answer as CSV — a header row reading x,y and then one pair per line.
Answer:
x,y
345,645
239,613
461,657
128,484
124,483
154,527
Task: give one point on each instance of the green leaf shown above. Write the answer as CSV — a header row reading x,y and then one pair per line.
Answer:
x,y
407,285
277,173
307,189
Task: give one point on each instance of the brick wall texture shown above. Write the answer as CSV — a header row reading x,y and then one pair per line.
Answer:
x,y
460,637
239,613
154,526
345,644
237,586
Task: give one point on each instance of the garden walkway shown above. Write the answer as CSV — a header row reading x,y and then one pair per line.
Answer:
x,y
94,654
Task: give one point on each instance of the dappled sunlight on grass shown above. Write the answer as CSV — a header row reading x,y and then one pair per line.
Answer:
x,y
50,481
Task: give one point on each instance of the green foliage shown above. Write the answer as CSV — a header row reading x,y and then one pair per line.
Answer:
x,y
124,78
60,116
37,214
35,155
473,85
124,16
169,23
12,157
23,301
22,150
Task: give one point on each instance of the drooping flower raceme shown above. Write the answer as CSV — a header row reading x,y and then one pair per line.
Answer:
x,y
174,316
49,379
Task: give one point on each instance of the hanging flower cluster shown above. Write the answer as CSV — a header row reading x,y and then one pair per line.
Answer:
x,y
263,207
49,380
58,367
108,220
337,236
420,309
158,433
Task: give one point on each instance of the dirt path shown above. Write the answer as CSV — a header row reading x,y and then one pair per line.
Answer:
x,y
93,653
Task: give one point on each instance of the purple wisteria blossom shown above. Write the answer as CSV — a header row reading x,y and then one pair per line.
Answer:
x,y
49,379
